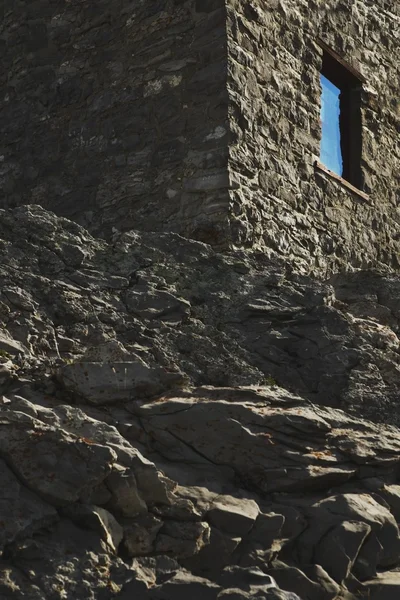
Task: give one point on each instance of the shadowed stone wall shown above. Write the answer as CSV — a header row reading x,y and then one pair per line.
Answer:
x,y
282,203
201,117
114,112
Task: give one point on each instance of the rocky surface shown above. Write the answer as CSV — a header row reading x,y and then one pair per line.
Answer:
x,y
176,423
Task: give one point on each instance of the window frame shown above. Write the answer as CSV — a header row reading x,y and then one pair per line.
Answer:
x,y
350,82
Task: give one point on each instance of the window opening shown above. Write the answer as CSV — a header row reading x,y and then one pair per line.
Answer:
x,y
341,118
331,152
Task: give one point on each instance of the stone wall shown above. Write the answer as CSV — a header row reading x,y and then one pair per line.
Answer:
x,y
201,117
281,203
114,112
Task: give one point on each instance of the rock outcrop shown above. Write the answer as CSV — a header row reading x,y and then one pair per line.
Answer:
x,y
176,423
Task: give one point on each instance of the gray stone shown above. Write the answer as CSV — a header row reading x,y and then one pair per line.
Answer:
x,y
55,465
97,519
157,304
19,298
383,525
125,498
235,516
391,493
385,587
140,535
264,541
182,540
185,585
248,579
236,471
62,560
367,563
344,543
180,509
21,512
208,183
214,556
103,383
293,579
10,346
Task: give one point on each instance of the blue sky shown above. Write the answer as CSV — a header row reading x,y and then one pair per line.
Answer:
x,y
331,155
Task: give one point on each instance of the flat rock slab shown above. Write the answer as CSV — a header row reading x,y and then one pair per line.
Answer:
x,y
275,448
104,383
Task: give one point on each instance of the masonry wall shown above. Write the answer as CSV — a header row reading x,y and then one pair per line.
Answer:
x,y
281,203
114,113
201,117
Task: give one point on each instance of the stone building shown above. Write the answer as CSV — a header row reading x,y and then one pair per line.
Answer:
x,y
204,117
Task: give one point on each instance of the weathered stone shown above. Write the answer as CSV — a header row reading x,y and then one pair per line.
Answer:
x,y
391,493
125,498
10,346
155,304
254,465
102,383
97,519
55,465
21,512
19,298
62,560
235,516
344,543
182,540
249,443
214,556
385,587
185,585
383,525
292,578
248,579
140,535
208,183
181,509
6,373
264,541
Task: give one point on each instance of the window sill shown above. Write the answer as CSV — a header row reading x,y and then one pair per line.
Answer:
x,y
320,167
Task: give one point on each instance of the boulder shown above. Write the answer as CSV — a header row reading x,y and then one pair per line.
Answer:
x,y
57,466
364,508
235,516
344,543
